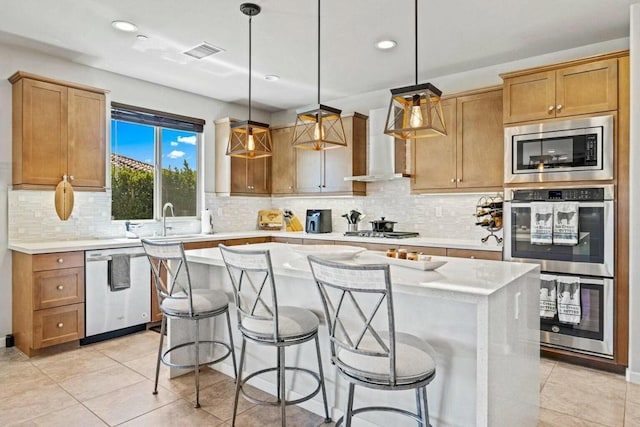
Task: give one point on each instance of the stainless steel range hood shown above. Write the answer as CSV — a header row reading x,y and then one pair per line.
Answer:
x,y
386,156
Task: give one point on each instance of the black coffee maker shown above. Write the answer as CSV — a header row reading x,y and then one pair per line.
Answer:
x,y
318,221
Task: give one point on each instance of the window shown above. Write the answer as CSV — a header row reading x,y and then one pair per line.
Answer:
x,y
143,143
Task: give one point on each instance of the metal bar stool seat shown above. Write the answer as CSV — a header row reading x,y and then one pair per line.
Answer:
x,y
357,302
179,300
262,321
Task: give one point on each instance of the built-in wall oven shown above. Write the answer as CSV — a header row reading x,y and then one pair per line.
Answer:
x,y
568,150
536,222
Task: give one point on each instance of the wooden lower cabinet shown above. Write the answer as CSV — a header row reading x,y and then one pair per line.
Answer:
x,y
477,254
291,240
47,299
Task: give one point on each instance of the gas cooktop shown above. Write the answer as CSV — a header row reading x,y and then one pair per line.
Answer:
x,y
387,234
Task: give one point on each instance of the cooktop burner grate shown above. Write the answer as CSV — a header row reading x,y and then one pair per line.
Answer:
x,y
387,234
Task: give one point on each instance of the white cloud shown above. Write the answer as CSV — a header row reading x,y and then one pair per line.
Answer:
x,y
176,154
191,140
173,143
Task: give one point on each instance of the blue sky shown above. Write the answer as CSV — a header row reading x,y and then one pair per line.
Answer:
x,y
136,141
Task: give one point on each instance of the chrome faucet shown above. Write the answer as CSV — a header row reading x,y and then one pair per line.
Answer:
x,y
164,217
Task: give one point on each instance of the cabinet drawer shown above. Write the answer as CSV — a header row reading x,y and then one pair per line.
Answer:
x,y
58,260
468,253
58,325
55,288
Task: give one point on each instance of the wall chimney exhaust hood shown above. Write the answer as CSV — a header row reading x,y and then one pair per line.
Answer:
x,y
386,156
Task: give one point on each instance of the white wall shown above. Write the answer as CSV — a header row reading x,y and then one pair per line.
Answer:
x,y
122,89
633,372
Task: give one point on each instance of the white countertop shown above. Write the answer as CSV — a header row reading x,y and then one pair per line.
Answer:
x,y
89,244
459,275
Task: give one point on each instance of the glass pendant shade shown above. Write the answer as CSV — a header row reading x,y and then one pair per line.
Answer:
x,y
319,129
415,112
249,140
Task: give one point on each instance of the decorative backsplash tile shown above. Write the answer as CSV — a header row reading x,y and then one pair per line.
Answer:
x,y
32,215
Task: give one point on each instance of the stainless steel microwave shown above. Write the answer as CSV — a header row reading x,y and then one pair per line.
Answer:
x,y
570,150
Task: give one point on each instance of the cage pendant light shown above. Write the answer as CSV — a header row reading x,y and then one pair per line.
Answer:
x,y
249,139
415,111
319,127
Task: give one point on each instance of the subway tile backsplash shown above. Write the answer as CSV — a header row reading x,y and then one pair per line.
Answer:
x,y
32,215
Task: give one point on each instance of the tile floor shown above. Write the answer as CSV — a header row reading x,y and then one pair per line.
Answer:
x,y
110,383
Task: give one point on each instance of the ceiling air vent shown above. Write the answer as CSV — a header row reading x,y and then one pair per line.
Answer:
x,y
203,50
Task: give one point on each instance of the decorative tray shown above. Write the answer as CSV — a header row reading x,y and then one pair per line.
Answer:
x,y
418,265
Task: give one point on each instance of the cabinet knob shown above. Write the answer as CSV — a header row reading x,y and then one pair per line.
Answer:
x,y
472,257
459,179
60,260
291,187
71,178
550,108
319,186
453,180
60,325
559,107
60,287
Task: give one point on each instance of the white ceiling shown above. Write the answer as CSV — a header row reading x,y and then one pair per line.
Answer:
x,y
455,36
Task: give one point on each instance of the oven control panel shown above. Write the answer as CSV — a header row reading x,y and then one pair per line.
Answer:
x,y
577,194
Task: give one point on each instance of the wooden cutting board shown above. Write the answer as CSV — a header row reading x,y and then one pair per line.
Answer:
x,y
64,199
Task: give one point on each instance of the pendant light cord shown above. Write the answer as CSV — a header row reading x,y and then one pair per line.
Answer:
x,y
250,18
318,51
415,37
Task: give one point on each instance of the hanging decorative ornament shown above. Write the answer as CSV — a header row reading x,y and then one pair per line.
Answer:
x,y
63,199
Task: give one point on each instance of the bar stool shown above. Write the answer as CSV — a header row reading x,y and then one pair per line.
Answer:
x,y
262,321
178,300
354,299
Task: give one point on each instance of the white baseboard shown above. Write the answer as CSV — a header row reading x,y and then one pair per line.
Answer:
x,y
632,376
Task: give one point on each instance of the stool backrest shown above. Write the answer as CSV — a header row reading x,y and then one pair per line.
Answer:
x,y
358,306
254,287
170,270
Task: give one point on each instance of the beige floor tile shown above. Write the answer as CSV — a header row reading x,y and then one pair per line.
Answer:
x,y
71,363
33,402
130,347
579,377
549,418
633,393
217,399
76,415
269,416
18,377
87,386
632,414
178,413
546,366
129,402
12,354
597,403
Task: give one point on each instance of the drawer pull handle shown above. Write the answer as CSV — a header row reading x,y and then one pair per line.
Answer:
x,y
60,260
60,325
60,287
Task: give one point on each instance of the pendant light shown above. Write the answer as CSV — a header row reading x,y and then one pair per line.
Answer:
x,y
319,128
415,111
249,139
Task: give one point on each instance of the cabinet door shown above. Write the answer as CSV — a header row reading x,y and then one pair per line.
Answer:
x,y
530,97
44,132
587,88
434,158
283,162
239,183
309,171
480,139
86,148
259,175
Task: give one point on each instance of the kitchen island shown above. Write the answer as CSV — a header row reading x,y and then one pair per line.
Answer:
x,y
481,317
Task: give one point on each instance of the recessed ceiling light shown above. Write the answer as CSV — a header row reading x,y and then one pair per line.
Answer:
x,y
142,37
271,77
386,44
124,26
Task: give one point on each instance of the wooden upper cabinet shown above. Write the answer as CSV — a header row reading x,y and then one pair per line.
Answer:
x,y
471,155
283,162
58,129
251,176
584,88
434,158
480,141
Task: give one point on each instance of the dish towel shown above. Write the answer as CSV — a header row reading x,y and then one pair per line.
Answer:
x,y
541,223
569,310
119,273
565,223
548,299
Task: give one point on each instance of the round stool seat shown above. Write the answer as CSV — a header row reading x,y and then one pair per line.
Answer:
x,y
293,322
413,360
204,301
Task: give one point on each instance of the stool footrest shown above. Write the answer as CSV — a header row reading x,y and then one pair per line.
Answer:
x,y
277,403
192,344
381,409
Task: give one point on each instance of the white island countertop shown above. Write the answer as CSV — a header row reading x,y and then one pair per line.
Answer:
x,y
49,246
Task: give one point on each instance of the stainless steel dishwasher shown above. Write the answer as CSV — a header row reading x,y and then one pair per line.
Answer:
x,y
113,312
